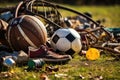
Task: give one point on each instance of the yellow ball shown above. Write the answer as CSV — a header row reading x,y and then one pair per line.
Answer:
x,y
92,54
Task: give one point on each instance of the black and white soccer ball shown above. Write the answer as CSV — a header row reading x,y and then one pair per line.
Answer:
x,y
66,40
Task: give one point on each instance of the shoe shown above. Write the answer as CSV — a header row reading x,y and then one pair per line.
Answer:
x,y
47,55
36,52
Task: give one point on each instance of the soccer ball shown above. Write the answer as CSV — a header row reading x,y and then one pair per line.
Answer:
x,y
66,40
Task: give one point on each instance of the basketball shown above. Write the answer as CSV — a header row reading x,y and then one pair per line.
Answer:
x,y
25,31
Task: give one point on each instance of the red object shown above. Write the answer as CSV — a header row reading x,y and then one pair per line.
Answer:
x,y
36,52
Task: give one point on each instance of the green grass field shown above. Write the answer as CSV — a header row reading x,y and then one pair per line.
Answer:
x,y
110,13
78,68
106,67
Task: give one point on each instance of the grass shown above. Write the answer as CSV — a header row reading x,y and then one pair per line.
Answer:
x,y
100,12
79,67
105,67
111,14
4,4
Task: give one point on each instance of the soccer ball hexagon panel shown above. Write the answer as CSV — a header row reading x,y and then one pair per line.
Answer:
x,y
66,40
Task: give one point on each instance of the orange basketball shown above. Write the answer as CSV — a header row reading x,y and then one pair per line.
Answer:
x,y
26,31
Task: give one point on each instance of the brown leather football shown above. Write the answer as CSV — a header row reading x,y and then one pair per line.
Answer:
x,y
25,31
